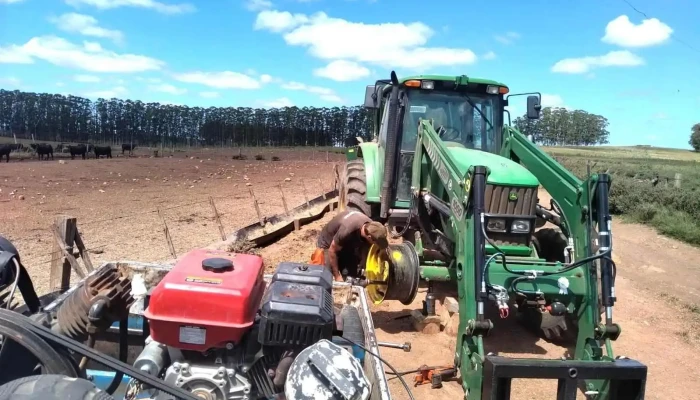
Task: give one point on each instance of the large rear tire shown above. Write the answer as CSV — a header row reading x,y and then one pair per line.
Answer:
x,y
353,188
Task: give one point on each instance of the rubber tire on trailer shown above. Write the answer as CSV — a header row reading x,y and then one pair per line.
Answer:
x,y
353,188
550,244
51,387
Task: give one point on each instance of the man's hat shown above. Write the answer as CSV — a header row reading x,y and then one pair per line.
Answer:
x,y
377,232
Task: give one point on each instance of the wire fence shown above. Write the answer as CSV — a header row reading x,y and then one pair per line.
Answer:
x,y
141,235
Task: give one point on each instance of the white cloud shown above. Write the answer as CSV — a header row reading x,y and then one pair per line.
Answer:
x,y
86,78
209,95
10,83
14,55
219,80
107,94
278,103
265,78
489,56
85,25
620,58
323,93
152,4
390,45
342,71
257,5
552,100
508,37
650,32
10,1
89,57
167,88
278,21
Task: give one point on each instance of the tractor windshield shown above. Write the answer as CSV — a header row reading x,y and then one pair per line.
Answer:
x,y
454,119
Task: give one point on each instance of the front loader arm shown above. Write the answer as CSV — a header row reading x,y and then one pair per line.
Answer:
x,y
580,204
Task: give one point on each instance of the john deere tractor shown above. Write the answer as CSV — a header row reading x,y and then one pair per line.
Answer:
x,y
450,175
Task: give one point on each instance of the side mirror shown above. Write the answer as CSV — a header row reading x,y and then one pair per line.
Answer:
x,y
533,107
371,97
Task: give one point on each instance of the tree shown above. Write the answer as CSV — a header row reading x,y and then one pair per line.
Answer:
x,y
694,141
53,117
559,126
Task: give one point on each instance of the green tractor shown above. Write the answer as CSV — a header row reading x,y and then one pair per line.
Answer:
x,y
449,174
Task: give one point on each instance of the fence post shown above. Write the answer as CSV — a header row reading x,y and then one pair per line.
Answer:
x,y
323,190
677,180
63,260
257,207
284,200
63,231
217,218
306,195
168,238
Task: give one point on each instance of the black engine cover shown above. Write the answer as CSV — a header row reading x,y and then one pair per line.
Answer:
x,y
295,314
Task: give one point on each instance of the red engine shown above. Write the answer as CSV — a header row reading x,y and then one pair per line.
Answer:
x,y
209,298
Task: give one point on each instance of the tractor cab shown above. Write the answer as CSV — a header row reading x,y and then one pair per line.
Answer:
x,y
466,114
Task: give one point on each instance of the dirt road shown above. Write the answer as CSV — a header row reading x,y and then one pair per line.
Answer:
x,y
658,329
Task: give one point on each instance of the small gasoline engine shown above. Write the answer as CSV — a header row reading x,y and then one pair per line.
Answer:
x,y
217,332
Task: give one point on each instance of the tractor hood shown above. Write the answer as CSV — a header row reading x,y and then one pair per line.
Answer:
x,y
502,170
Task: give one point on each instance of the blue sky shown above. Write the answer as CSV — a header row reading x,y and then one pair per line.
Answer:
x,y
599,55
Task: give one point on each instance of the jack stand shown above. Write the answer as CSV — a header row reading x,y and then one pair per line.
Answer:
x,y
429,302
425,320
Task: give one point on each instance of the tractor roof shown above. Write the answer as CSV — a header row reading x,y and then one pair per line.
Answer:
x,y
451,78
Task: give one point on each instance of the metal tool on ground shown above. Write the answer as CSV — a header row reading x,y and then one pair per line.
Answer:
x,y
405,346
458,184
434,375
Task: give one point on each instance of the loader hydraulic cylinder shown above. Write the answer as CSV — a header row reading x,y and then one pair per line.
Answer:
x,y
605,245
478,188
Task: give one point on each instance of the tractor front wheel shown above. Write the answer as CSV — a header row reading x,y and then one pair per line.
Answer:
x,y
353,188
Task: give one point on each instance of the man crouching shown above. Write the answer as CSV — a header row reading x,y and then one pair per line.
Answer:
x,y
344,240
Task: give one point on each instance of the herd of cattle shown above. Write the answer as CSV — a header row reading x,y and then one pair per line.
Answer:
x,y
44,150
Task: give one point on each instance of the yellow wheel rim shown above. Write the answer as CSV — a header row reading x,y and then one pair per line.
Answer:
x,y
376,270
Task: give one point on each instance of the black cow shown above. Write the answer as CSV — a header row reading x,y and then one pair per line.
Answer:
x,y
16,146
43,149
126,146
5,150
102,151
78,150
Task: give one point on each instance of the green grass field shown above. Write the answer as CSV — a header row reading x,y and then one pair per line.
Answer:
x,y
673,210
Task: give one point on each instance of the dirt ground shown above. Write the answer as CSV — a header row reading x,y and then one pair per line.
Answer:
x,y
116,202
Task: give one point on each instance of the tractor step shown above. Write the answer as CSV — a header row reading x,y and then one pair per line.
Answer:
x,y
627,378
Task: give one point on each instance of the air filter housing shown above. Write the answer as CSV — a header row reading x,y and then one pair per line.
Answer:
x,y
295,314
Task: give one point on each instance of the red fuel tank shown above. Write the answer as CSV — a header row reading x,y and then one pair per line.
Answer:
x,y
208,299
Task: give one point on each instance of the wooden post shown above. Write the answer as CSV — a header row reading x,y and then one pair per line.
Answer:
x,y
677,180
168,238
83,251
323,191
64,233
284,200
306,195
257,206
217,218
